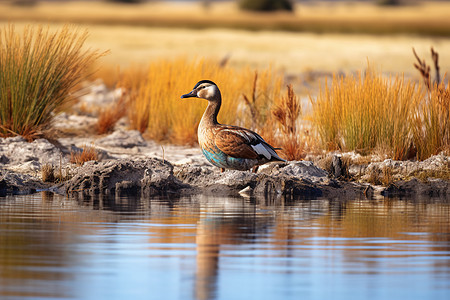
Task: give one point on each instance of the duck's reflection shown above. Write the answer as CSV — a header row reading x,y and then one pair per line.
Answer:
x,y
234,221
208,247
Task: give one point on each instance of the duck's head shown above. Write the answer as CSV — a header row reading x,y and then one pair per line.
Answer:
x,y
205,89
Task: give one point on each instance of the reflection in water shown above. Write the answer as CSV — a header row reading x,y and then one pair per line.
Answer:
x,y
222,248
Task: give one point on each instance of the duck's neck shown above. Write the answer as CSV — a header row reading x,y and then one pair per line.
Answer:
x,y
210,115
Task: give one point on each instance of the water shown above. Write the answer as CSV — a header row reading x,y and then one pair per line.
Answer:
x,y
52,247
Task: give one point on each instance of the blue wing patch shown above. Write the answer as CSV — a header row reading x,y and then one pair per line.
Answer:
x,y
222,160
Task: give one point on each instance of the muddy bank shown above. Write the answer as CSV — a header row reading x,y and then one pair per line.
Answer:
x,y
154,176
291,180
131,165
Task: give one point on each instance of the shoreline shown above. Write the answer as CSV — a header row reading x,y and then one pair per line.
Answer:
x,y
131,165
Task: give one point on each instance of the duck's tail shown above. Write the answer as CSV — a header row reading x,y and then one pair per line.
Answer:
x,y
267,151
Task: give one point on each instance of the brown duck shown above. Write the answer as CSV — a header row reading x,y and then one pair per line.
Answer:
x,y
226,146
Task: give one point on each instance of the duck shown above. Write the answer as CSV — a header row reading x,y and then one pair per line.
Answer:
x,y
227,146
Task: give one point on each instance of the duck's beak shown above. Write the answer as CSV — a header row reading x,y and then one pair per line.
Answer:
x,y
191,94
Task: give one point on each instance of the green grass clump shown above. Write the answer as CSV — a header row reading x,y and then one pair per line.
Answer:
x,y
367,113
38,72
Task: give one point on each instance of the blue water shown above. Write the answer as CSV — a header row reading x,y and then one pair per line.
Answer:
x,y
54,247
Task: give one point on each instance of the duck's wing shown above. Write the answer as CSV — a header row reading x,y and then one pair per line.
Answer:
x,y
243,143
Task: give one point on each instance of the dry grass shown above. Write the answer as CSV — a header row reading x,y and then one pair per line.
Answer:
x,y
156,107
254,108
38,71
365,113
387,176
258,100
108,116
252,99
287,114
425,175
373,114
87,154
47,173
431,122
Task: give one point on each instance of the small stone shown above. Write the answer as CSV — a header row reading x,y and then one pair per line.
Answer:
x,y
247,191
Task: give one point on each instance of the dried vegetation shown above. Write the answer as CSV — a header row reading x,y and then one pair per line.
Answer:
x,y
38,71
431,120
365,113
88,153
287,114
110,115
51,174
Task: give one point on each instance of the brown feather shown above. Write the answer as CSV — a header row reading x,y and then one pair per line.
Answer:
x,y
234,144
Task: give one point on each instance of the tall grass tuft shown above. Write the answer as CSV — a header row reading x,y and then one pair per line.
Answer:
x,y
431,122
367,113
38,71
156,108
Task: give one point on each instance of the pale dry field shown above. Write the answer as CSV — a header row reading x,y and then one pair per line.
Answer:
x,y
288,51
226,13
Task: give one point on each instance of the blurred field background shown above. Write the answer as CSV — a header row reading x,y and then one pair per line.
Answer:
x,y
159,49
315,36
